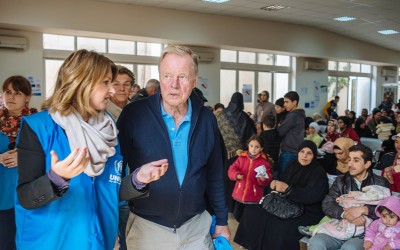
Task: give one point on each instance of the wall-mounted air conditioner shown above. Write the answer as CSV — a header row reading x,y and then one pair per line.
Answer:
x,y
11,42
386,72
314,65
205,56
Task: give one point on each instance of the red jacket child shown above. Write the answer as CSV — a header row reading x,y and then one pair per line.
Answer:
x,y
249,189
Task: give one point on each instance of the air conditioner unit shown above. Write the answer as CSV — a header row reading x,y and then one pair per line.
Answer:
x,y
313,65
388,72
10,42
205,56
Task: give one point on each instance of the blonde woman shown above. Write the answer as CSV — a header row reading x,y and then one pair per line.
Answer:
x,y
70,164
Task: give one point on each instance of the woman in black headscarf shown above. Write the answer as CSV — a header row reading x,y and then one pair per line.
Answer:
x,y
235,125
306,182
362,129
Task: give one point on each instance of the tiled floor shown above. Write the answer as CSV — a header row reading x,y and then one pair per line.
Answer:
x,y
233,224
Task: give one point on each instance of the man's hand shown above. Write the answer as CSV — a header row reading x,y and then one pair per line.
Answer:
x,y
152,171
367,245
359,221
354,212
222,231
387,173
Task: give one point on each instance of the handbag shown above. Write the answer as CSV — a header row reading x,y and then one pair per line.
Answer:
x,y
277,204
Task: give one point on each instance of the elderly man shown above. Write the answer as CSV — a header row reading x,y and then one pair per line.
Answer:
x,y
175,125
150,89
122,85
355,179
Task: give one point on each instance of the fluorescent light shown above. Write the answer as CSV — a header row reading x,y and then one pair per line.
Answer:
x,y
344,18
388,32
273,7
216,1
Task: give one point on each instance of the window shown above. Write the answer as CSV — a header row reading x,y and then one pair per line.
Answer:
x,y
282,84
228,56
228,85
343,66
365,68
332,65
96,44
51,71
282,60
247,57
121,47
355,67
145,73
58,42
265,59
148,49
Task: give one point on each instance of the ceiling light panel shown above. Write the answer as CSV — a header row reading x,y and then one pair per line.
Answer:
x,y
388,32
345,18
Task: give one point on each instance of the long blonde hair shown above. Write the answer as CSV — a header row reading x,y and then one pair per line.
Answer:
x,y
76,79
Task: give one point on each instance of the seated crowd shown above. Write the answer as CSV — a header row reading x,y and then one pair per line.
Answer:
x,y
300,153
317,164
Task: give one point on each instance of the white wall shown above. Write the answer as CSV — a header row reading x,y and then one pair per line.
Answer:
x,y
96,18
305,87
28,63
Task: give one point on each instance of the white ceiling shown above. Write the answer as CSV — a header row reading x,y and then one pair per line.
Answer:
x,y
372,15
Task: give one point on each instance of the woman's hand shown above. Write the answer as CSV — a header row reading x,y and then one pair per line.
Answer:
x,y
9,159
73,165
387,173
279,186
152,171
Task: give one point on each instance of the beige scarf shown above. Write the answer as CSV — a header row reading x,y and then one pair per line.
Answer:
x,y
98,134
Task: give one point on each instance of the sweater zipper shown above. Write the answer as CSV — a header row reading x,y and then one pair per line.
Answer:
x,y
187,169
179,208
247,179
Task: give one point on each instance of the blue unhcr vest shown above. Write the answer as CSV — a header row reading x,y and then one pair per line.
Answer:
x,y
8,178
86,216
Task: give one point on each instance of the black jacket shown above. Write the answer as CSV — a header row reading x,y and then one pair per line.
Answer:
x,y
343,185
140,95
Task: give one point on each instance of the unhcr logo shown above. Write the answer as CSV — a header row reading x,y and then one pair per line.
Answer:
x,y
116,176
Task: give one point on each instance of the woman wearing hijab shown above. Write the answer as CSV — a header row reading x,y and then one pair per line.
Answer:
x,y
69,171
233,118
17,93
362,129
341,150
306,183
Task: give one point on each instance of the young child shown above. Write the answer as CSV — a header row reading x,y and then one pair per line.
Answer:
x,y
313,135
384,233
271,138
384,128
252,173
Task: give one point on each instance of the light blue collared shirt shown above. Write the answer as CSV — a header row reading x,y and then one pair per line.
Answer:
x,y
179,139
